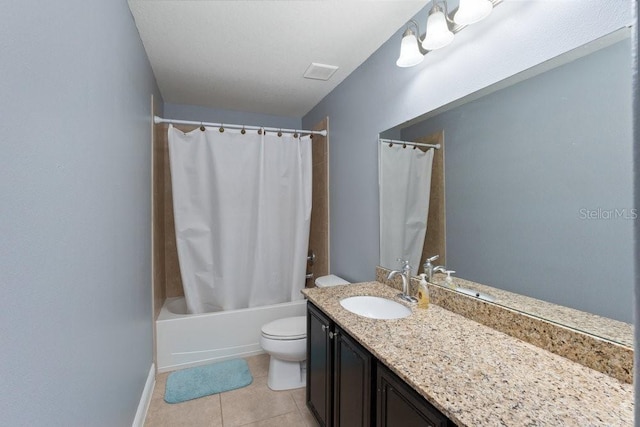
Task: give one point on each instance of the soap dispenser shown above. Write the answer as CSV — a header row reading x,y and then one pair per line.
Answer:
x,y
423,292
449,280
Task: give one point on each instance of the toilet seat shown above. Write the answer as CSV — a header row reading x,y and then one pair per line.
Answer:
x,y
289,328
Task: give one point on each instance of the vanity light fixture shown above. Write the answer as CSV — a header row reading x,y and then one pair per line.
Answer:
x,y
472,11
438,33
410,53
441,28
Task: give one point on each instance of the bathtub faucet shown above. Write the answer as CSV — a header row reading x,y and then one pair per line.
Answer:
x,y
406,280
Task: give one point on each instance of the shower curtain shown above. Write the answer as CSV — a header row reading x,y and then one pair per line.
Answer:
x,y
405,186
242,208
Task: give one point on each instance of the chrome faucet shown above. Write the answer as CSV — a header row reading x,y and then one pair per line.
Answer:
x,y
441,269
429,268
406,279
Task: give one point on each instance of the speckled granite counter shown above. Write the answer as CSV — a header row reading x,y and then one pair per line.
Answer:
x,y
476,375
609,329
607,347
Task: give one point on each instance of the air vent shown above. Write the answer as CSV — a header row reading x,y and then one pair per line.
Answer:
x,y
320,71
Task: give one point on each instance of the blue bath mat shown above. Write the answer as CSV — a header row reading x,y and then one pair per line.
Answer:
x,y
201,381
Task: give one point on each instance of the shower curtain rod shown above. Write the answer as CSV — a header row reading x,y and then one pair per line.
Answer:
x,y
417,144
157,120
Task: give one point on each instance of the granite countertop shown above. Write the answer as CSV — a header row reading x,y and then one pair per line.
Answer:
x,y
613,330
476,375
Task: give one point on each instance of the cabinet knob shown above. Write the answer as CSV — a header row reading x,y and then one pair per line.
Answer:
x,y
324,328
333,335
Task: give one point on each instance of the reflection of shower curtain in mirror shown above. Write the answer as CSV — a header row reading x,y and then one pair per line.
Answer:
x,y
242,207
405,184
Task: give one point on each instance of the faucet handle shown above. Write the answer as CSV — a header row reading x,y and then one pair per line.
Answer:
x,y
403,262
433,258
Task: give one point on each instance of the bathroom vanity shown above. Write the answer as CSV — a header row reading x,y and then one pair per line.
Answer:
x,y
436,367
347,386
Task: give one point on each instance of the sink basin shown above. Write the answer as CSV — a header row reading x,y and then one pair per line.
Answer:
x,y
375,307
476,294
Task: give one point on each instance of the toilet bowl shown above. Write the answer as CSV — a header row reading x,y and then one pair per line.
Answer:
x,y
285,340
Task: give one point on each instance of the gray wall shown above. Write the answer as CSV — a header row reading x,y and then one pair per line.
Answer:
x,y
522,162
379,95
75,324
216,115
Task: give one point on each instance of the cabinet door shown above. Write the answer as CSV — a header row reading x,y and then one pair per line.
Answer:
x,y
398,405
352,382
319,365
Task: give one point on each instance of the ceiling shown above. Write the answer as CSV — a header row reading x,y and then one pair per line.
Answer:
x,y
251,55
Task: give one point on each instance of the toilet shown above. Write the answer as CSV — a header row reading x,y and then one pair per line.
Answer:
x,y
286,342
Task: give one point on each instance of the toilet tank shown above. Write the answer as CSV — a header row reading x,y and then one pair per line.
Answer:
x,y
330,280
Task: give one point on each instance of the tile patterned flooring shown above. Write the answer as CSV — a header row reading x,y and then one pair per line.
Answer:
x,y
253,406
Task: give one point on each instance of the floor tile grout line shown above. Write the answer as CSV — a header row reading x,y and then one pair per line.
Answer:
x,y
302,412
288,393
267,419
261,366
221,413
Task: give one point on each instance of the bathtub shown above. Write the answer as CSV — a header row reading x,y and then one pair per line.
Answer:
x,y
185,340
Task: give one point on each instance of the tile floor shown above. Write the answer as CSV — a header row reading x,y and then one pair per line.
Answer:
x,y
255,405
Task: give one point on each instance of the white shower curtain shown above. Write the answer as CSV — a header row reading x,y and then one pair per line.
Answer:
x,y
242,207
405,186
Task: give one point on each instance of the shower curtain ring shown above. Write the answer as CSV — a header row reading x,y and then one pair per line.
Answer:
x,y
391,145
221,128
201,127
243,131
295,133
404,145
280,132
260,131
415,146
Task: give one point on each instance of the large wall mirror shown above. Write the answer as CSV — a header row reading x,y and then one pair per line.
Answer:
x,y
538,180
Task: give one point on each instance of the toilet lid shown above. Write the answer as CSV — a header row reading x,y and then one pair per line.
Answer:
x,y
290,328
330,280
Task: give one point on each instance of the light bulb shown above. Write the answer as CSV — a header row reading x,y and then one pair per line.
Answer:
x,y
471,11
409,52
438,33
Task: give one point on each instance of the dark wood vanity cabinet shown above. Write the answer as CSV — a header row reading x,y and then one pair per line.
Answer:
x,y
352,382
339,374
398,405
319,366
348,387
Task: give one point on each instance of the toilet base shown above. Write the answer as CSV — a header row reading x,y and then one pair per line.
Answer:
x,y
285,375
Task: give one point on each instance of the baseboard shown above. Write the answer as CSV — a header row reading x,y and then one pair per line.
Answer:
x,y
145,399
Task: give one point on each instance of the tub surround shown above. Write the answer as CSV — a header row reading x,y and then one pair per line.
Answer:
x,y
186,340
608,349
477,375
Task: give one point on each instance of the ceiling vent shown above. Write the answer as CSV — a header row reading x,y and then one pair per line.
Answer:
x,y
320,71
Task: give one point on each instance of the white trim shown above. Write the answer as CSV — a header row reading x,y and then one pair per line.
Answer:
x,y
145,399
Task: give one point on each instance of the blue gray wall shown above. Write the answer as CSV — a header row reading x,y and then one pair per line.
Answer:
x,y
217,115
379,96
523,167
75,270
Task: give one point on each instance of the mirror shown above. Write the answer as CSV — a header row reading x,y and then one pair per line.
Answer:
x,y
410,199
538,174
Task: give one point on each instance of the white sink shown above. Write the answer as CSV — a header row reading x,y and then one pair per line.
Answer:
x,y
479,295
375,307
